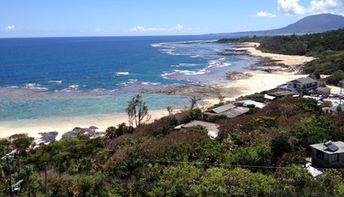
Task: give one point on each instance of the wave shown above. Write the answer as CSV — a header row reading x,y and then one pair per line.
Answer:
x,y
121,73
71,88
183,72
135,82
55,81
184,65
170,51
219,63
35,86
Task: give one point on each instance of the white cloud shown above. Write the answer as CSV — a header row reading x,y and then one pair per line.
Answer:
x,y
265,14
10,28
290,7
293,7
319,6
178,27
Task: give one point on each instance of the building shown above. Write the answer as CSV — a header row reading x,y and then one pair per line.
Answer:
x,y
302,85
323,91
281,94
250,103
229,110
328,155
213,129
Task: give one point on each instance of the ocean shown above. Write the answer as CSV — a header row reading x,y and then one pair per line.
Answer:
x,y
76,77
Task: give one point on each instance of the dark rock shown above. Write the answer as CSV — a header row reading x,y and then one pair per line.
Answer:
x,y
48,137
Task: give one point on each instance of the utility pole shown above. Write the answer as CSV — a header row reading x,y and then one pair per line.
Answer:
x,y
341,85
46,179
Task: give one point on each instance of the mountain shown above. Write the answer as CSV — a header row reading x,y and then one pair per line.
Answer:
x,y
310,24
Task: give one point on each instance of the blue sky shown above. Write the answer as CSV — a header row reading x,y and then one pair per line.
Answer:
x,y
40,18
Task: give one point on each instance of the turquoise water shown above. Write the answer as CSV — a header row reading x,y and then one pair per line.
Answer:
x,y
73,77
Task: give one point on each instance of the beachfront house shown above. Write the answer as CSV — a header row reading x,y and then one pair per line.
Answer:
x,y
303,85
328,155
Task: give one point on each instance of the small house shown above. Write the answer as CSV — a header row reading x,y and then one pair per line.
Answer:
x,y
229,110
303,84
213,129
328,155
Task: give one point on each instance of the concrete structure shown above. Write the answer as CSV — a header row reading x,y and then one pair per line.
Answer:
x,y
281,94
302,85
323,91
250,103
223,108
229,110
328,155
213,129
269,97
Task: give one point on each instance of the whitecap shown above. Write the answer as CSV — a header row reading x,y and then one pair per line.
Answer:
x,y
219,63
34,86
130,82
55,81
157,45
121,73
184,65
150,83
71,88
184,72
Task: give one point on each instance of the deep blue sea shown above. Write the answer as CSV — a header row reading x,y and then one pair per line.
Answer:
x,y
51,77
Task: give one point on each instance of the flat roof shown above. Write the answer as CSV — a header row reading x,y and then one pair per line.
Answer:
x,y
223,108
281,93
213,129
238,111
305,80
256,104
323,148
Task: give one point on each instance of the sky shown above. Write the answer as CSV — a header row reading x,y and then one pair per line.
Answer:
x,y
60,18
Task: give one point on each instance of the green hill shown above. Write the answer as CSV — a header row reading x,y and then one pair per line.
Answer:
x,y
328,47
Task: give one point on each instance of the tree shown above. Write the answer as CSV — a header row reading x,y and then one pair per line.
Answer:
x,y
169,110
137,111
193,101
221,99
21,142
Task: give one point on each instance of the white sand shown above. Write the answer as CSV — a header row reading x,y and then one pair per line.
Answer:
x,y
260,81
292,60
63,125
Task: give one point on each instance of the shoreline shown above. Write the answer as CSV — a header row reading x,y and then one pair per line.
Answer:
x,y
231,89
64,124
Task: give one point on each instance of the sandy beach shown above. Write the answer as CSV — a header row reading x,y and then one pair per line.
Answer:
x,y
290,60
259,81
63,125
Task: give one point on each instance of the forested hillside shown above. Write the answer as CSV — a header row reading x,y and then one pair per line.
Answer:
x,y
327,47
259,154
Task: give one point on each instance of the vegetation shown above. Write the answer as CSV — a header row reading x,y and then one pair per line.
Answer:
x,y
327,47
137,111
259,154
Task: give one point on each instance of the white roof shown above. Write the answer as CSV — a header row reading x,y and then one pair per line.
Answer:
x,y
269,97
213,129
256,104
223,108
312,170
